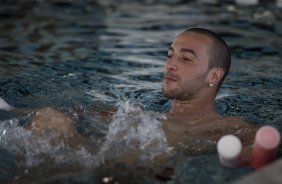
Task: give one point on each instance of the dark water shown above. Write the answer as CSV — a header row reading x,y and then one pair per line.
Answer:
x,y
81,53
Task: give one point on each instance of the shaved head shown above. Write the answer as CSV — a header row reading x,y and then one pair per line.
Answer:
x,y
219,53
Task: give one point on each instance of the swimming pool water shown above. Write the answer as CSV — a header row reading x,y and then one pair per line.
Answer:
x,y
70,54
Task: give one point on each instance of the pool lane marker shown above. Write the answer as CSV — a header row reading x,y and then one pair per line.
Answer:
x,y
229,148
264,150
265,146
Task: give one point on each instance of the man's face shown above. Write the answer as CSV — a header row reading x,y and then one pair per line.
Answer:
x,y
186,68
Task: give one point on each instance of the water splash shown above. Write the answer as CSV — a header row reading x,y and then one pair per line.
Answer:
x,y
35,150
134,131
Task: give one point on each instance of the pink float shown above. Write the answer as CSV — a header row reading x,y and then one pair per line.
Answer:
x,y
265,146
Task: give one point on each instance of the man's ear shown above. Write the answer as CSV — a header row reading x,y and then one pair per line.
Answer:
x,y
215,75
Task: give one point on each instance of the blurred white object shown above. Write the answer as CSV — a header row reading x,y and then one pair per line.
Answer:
x,y
4,105
247,2
229,149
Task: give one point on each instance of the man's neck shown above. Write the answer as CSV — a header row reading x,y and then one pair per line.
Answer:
x,y
193,107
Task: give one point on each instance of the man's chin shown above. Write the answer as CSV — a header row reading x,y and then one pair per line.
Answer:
x,y
168,95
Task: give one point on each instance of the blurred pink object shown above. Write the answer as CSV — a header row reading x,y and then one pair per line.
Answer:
x,y
265,146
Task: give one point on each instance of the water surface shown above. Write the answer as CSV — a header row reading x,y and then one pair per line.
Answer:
x,y
76,54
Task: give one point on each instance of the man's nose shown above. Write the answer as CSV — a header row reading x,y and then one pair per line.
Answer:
x,y
171,64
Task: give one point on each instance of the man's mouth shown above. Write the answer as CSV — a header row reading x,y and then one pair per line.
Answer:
x,y
169,78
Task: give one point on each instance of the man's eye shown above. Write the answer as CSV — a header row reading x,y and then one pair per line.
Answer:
x,y
186,59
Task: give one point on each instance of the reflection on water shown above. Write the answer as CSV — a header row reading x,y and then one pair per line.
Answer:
x,y
99,53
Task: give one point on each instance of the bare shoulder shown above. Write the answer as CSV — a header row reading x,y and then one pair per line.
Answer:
x,y
244,130
235,120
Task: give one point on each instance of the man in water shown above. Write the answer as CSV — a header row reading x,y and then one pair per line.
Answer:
x,y
198,61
